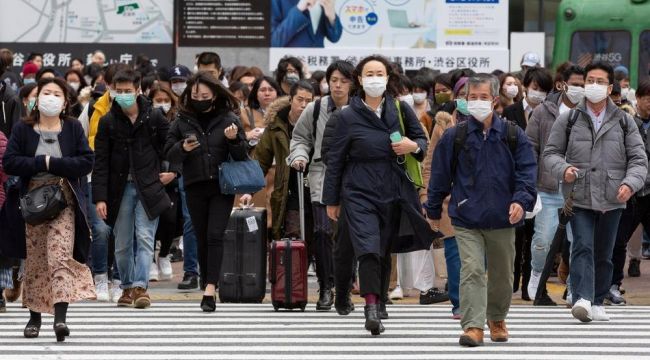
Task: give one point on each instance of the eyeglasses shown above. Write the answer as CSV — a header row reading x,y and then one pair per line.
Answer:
x,y
592,81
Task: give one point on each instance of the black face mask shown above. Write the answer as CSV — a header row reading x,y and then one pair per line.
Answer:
x,y
201,105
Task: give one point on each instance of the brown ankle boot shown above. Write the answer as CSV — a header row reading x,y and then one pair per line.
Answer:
x,y
471,337
498,330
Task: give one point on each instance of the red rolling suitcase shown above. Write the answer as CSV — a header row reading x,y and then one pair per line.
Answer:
x,y
288,265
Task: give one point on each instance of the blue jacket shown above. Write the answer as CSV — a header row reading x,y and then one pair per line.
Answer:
x,y
292,28
500,177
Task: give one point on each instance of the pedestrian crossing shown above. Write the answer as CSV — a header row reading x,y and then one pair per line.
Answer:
x,y
179,330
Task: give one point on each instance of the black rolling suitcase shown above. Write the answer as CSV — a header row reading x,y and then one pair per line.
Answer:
x,y
243,268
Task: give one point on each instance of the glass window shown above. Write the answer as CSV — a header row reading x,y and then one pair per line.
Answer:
x,y
644,56
612,47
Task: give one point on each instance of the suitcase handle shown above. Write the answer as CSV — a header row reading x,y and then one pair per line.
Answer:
x,y
301,200
272,271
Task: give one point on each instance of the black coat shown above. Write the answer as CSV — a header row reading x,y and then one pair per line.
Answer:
x,y
363,176
123,147
515,113
202,164
76,163
10,108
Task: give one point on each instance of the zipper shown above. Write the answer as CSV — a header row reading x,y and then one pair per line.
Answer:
x,y
238,258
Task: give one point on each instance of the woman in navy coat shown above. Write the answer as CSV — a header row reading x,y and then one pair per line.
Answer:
x,y
366,181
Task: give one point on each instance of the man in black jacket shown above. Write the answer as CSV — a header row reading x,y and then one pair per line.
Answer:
x,y
9,108
129,182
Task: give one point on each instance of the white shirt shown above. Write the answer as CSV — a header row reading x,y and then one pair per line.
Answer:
x,y
564,108
597,119
528,110
379,108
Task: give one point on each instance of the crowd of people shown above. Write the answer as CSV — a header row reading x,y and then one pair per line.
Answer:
x,y
460,174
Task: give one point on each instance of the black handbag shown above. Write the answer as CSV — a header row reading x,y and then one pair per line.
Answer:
x,y
43,203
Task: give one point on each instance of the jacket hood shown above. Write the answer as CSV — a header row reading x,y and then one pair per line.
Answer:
x,y
274,108
142,101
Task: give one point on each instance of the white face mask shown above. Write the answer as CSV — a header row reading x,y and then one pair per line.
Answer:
x,y
50,105
511,91
535,97
164,106
74,85
480,109
595,93
624,93
575,94
407,99
374,86
178,88
324,88
419,98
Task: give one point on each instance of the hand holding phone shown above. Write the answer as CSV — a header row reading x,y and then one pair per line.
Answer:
x,y
395,137
190,143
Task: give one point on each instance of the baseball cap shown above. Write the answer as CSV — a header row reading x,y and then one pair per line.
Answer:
x,y
621,69
179,72
530,59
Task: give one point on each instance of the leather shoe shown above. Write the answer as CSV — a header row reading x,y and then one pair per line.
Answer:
x,y
325,299
61,330
31,331
126,299
383,314
498,330
471,337
373,323
343,304
209,303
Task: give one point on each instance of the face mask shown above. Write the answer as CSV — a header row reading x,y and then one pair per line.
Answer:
x,y
461,106
595,93
178,88
324,88
29,81
407,99
164,106
125,101
75,85
201,105
374,86
624,93
442,98
480,109
30,105
575,94
419,98
50,105
511,91
535,97
292,78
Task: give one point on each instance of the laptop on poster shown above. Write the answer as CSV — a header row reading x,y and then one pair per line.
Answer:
x,y
399,19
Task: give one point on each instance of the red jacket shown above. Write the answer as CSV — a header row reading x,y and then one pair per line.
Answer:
x,y
3,176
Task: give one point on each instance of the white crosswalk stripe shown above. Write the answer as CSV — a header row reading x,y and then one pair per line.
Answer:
x,y
245,331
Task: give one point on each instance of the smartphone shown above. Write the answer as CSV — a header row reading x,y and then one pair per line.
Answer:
x,y
395,137
190,138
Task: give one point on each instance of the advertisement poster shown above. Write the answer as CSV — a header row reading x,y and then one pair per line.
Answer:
x,y
63,30
422,30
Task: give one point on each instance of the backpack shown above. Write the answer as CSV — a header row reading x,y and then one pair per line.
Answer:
x,y
461,138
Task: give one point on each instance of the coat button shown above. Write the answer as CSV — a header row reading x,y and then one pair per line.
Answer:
x,y
594,169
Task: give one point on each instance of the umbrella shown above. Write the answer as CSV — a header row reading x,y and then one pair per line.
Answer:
x,y
565,214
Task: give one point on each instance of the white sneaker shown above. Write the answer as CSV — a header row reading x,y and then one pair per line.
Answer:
x,y
582,310
533,284
396,294
153,272
115,291
598,313
165,266
101,287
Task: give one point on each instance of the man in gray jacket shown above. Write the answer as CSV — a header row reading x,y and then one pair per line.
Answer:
x,y
548,186
305,147
597,151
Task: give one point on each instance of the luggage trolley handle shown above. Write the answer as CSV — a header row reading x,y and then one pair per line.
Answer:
x,y
301,200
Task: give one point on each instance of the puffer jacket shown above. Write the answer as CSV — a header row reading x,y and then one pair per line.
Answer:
x,y
3,175
274,148
538,130
606,159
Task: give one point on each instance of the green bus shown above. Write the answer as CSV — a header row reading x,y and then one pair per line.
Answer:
x,y
613,31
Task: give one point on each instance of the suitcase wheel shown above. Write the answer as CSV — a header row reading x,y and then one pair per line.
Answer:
x,y
275,308
302,308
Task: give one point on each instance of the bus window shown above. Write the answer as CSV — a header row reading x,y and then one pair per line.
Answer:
x,y
644,56
612,47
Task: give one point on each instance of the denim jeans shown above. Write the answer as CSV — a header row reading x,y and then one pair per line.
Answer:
x,y
101,236
190,256
452,258
546,223
132,218
591,253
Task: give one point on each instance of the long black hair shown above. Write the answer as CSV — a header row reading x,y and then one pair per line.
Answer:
x,y
35,115
224,100
392,88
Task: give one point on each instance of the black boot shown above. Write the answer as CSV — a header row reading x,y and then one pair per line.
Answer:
x,y
373,323
60,328
325,299
343,302
383,314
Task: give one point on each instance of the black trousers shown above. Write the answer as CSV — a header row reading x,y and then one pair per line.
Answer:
x,y
344,260
523,257
323,243
210,211
637,212
168,225
374,275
